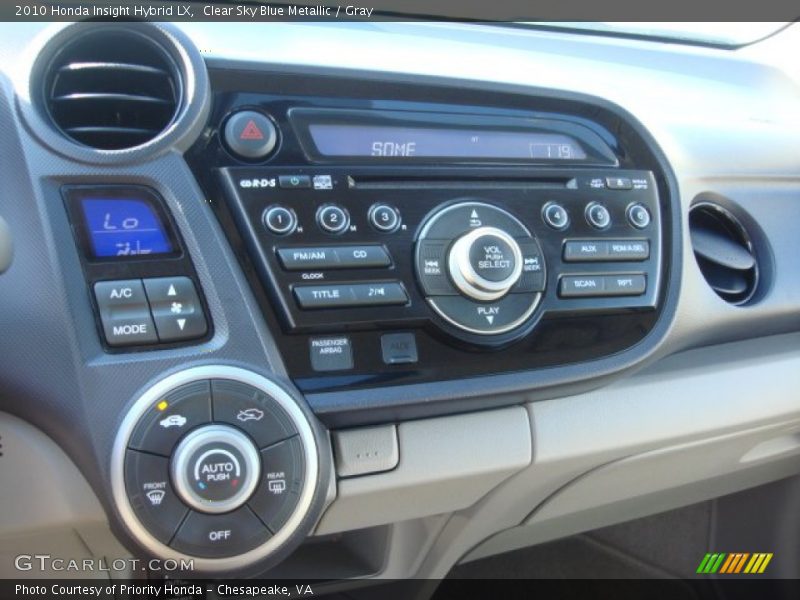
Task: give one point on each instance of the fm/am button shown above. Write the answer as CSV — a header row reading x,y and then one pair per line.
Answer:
x,y
333,257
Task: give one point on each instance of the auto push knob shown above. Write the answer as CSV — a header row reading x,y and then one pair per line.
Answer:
x,y
485,263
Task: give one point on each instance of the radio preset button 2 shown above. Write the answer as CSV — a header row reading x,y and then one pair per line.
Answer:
x,y
555,216
638,216
597,215
333,219
280,220
384,218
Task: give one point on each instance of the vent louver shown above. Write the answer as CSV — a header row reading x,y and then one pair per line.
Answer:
x,y
724,252
112,90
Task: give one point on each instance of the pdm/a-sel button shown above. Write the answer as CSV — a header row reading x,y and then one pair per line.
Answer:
x,y
172,416
282,481
124,313
215,536
151,494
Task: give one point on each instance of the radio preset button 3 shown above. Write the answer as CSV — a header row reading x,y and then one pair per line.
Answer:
x,y
384,218
332,218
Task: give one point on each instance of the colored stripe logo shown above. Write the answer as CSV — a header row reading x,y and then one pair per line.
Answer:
x,y
732,563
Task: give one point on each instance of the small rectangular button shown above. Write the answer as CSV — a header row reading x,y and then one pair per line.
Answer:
x,y
294,182
625,285
176,308
621,250
301,259
619,183
124,313
399,348
585,251
339,257
380,293
576,286
324,296
366,450
331,353
362,256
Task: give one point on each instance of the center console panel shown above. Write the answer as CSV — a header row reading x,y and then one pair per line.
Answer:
x,y
396,240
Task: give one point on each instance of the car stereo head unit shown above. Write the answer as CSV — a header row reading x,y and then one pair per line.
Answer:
x,y
401,243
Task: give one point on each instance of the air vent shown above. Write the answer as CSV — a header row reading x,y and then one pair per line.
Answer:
x,y
112,89
724,252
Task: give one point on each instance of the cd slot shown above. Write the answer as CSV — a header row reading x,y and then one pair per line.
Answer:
x,y
368,183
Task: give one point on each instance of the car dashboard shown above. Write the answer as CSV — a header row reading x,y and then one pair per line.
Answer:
x,y
370,300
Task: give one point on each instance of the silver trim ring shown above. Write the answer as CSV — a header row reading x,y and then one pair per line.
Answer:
x,y
468,280
152,395
209,434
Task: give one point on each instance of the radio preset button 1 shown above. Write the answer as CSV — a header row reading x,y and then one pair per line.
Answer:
x,y
280,220
333,219
638,216
384,218
597,215
555,216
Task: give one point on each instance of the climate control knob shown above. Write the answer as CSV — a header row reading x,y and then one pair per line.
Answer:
x,y
485,263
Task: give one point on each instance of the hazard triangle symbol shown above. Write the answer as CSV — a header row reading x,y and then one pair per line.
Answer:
x,y
251,132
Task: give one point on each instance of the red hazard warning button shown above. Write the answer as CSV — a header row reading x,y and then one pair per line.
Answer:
x,y
250,135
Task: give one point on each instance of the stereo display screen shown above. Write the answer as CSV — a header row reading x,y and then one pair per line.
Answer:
x,y
335,140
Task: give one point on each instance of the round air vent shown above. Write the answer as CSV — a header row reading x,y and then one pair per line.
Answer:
x,y
724,252
112,89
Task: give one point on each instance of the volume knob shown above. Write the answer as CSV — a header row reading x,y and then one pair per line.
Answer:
x,y
485,263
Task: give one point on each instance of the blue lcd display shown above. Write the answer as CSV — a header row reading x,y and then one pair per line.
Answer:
x,y
124,227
